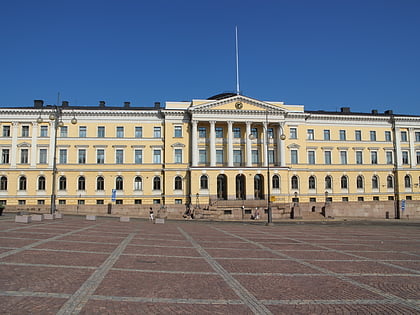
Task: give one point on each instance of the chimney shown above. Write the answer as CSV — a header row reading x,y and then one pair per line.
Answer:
x,y
38,103
157,105
345,109
126,104
374,111
389,112
101,103
65,103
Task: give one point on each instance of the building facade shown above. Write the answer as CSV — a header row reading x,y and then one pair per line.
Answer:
x,y
226,148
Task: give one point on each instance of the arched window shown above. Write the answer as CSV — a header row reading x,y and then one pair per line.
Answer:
x,y
407,181
328,182
204,182
100,183
156,183
359,182
275,182
178,183
311,182
138,183
22,183
81,183
295,182
41,183
375,182
390,182
344,182
3,183
119,183
62,183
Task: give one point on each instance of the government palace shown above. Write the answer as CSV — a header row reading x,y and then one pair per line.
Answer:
x,y
226,153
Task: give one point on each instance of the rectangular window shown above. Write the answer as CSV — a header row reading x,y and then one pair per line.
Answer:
x,y
311,157
43,156
120,132
294,156
219,157
372,135
327,157
342,135
138,132
157,156
25,131
63,156
358,135
293,133
219,132
63,132
138,156
82,156
237,156
119,156
178,155
254,133
44,131
24,156
178,201
270,132
202,155
374,157
388,136
157,132
418,157
101,131
82,131
178,131
405,158
100,156
6,131
404,137
5,156
389,157
255,157
271,156
417,136
327,134
236,132
202,132
343,157
359,157
310,134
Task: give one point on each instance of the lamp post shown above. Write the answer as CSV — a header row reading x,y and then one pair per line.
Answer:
x,y
395,170
326,197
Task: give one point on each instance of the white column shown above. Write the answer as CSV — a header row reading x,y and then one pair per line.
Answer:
x,y
230,144
281,153
14,149
265,144
212,143
411,137
194,146
398,145
248,145
52,147
33,144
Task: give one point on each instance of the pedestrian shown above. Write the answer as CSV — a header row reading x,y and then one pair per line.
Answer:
x,y
151,214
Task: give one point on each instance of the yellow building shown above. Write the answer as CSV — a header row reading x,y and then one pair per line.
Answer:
x,y
228,148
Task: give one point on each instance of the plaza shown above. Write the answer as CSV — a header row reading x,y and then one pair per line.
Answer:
x,y
76,266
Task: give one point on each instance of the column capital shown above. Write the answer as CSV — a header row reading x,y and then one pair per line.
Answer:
x,y
212,122
230,122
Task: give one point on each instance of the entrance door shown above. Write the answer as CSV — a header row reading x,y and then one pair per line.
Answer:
x,y
222,187
240,187
258,187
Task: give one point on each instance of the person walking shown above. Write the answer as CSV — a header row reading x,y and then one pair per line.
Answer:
x,y
151,214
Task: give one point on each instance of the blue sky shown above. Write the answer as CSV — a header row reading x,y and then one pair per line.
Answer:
x,y
323,54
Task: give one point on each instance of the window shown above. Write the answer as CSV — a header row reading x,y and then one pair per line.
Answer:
x,y
157,132
138,156
328,182
358,135
119,183
119,156
178,131
202,132
63,156
293,133
156,183
310,134
294,156
81,183
407,181
137,201
82,156
375,182
204,182
40,202
344,182
82,131
417,136
372,135
178,183
202,155
219,157
156,156
178,156
100,202
44,131
311,157
327,134
178,201
21,202
120,132
138,132
237,157
389,182
138,183
374,157
254,133
405,158
360,198
5,156
63,132
359,157
101,132
219,132
236,132
3,183
327,157
270,133
342,135
100,156
275,182
24,156
389,157
404,137
100,183
388,136
6,131
62,183
25,131
271,156
43,156
295,182
255,156
311,182
343,157
418,157
359,182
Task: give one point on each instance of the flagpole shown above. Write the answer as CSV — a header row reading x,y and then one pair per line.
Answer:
x,y
237,61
